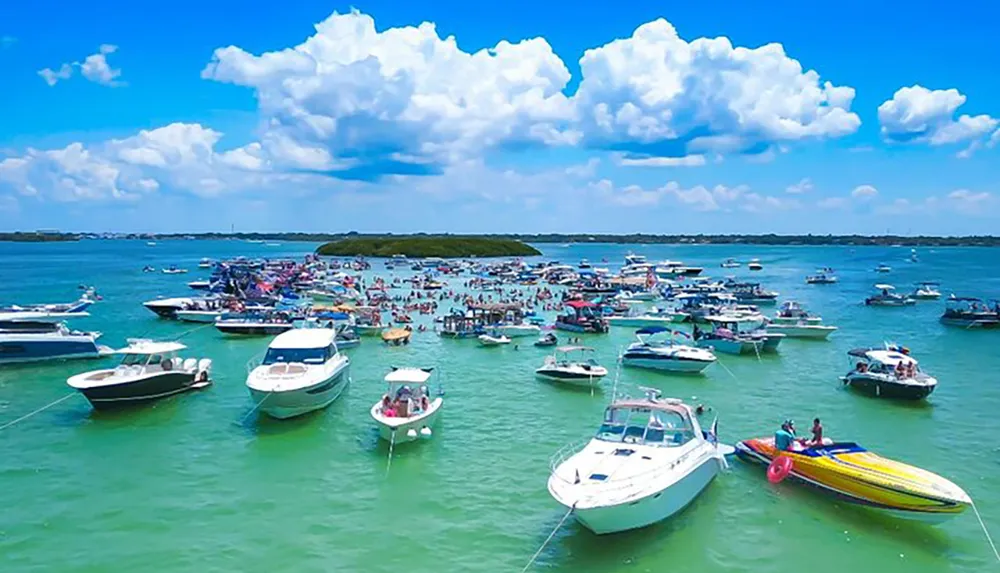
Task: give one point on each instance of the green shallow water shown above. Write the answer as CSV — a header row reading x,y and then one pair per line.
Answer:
x,y
185,486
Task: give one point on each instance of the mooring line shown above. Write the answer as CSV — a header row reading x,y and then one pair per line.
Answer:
x,y
42,409
549,538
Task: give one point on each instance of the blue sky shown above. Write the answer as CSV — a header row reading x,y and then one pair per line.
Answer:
x,y
584,117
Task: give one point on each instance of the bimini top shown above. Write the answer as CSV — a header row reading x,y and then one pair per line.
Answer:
x,y
889,357
408,375
664,404
144,346
300,338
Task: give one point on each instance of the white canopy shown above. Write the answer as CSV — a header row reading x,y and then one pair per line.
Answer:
x,y
414,376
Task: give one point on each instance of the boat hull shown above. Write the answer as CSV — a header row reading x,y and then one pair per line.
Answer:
x,y
885,388
651,509
253,329
805,331
291,403
138,391
17,349
667,364
519,330
401,427
736,347
570,378
199,316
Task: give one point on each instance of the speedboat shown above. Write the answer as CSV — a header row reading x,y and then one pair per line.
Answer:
x,y
38,341
856,475
822,277
255,324
199,315
664,354
883,268
887,297
494,339
651,317
888,372
649,460
751,293
168,307
560,368
755,265
730,264
970,312
517,330
926,291
173,270
149,370
205,264
913,256
301,371
547,339
407,412
57,312
200,285
347,336
794,322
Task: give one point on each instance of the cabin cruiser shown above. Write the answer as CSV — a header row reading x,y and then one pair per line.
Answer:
x,y
822,277
407,412
560,367
651,317
648,461
926,291
517,330
41,340
886,297
149,370
200,285
202,310
730,264
48,312
859,476
723,338
883,268
669,269
755,265
301,371
255,324
582,317
751,293
662,353
888,372
970,312
168,307
794,322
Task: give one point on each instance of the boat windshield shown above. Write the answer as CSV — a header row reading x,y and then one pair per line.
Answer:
x,y
300,355
645,426
139,359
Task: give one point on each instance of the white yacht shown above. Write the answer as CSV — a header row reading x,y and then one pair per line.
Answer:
x,y
640,318
40,340
149,370
794,322
754,265
886,296
493,339
666,355
407,411
559,367
649,460
518,330
302,371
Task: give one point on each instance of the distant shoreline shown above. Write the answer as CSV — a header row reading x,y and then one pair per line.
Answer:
x,y
637,239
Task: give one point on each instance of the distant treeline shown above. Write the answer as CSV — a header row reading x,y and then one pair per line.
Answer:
x,y
769,239
445,247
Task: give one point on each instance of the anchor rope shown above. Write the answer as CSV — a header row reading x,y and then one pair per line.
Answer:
x,y
549,538
42,409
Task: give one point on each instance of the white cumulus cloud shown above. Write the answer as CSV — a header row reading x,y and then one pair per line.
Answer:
x,y
804,185
94,67
919,115
864,192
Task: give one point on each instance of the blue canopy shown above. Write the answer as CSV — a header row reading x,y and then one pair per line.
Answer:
x,y
652,330
333,315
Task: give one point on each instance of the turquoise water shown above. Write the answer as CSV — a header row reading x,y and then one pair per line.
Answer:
x,y
185,486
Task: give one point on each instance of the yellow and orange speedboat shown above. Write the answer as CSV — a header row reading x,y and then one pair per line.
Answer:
x,y
856,475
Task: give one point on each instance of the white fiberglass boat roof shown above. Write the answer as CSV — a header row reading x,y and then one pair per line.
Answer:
x,y
137,346
408,375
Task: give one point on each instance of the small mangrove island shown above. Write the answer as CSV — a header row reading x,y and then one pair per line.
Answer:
x,y
444,247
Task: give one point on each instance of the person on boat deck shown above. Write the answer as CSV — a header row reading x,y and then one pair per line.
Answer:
x,y
862,367
900,370
785,437
817,432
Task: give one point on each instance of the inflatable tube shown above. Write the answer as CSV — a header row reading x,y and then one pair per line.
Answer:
x,y
779,469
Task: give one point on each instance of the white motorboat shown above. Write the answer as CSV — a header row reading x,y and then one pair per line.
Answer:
x,y
202,316
968,312
173,270
200,285
730,264
494,339
666,355
913,256
822,277
560,367
148,371
887,297
888,372
407,412
649,460
926,291
639,319
794,322
722,338
547,339
301,371
31,340
754,265
168,307
883,268
205,264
